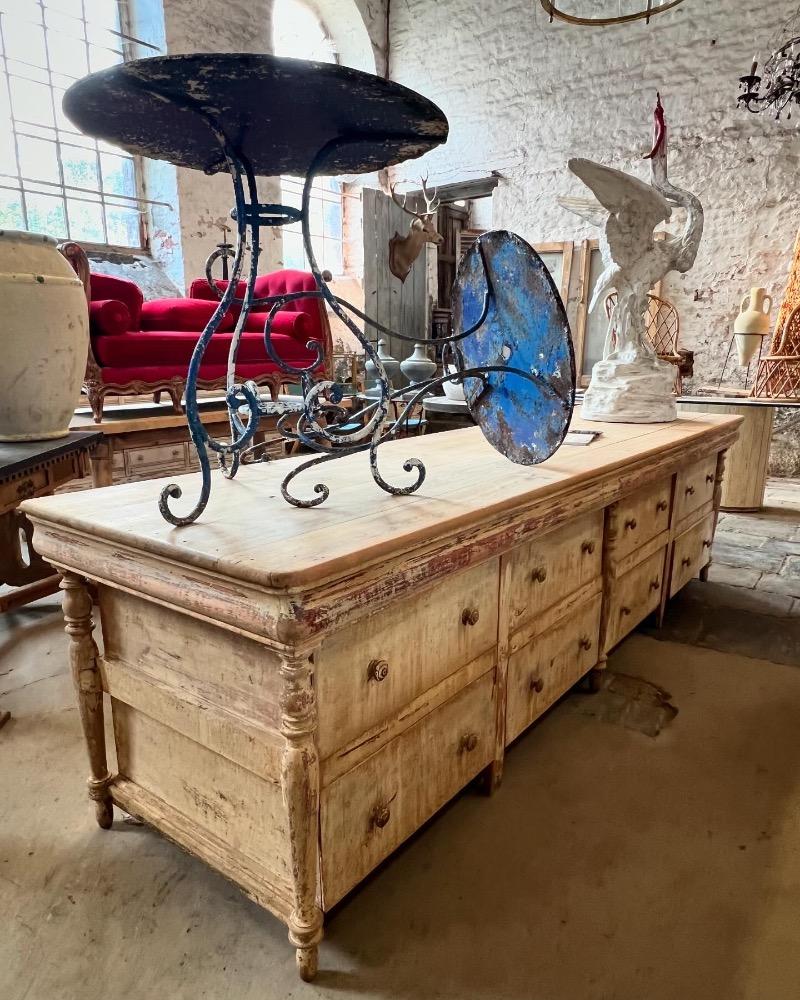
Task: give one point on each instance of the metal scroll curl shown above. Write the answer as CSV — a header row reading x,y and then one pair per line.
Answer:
x,y
511,350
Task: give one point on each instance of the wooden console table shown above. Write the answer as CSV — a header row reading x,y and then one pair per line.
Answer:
x,y
295,692
150,441
32,469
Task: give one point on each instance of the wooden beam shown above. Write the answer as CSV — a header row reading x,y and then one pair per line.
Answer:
x,y
481,187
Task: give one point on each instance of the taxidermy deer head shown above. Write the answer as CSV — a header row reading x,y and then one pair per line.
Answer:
x,y
404,250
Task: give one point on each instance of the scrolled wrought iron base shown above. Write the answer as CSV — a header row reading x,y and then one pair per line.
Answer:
x,y
322,426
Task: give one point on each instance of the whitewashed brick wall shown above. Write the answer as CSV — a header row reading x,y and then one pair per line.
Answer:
x,y
523,96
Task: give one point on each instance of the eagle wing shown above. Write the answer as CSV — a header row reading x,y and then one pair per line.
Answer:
x,y
587,208
620,193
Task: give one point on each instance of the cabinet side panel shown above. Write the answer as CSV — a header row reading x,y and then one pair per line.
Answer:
x,y
201,789
221,666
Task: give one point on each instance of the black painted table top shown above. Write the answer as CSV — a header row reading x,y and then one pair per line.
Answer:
x,y
23,456
276,112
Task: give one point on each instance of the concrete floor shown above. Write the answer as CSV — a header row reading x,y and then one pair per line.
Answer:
x,y
611,865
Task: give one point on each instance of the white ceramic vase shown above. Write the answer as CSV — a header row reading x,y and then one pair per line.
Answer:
x,y
454,390
44,338
752,324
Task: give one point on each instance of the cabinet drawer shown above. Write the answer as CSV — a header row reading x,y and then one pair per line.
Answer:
x,y
641,516
372,809
695,487
691,551
549,665
543,572
152,461
369,671
633,596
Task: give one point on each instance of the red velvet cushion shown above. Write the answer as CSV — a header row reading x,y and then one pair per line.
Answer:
x,y
182,314
289,323
276,283
199,289
103,286
108,316
174,347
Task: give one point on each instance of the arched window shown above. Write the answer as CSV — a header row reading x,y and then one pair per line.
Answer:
x,y
298,33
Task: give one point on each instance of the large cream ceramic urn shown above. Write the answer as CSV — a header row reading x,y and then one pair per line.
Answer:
x,y
44,338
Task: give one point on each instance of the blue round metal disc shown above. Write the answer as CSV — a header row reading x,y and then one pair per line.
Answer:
x,y
523,409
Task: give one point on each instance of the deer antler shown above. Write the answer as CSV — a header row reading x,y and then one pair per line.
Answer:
x,y
431,201
402,204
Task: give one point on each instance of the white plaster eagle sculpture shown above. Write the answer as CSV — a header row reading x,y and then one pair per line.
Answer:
x,y
627,211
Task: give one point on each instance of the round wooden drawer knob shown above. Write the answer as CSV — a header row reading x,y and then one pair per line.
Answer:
x,y
539,575
655,584
380,816
709,479
630,525
689,491
587,548
624,611
537,685
661,505
470,616
377,670
686,561
585,643
706,543
468,743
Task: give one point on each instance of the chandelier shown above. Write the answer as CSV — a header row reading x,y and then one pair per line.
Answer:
x,y
778,86
604,12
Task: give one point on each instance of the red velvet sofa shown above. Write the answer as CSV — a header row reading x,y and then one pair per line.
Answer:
x,y
145,347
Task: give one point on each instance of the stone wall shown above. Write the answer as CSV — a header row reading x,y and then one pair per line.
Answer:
x,y
523,96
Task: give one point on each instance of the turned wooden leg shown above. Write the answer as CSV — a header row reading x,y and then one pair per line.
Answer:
x,y
300,782
718,481
86,677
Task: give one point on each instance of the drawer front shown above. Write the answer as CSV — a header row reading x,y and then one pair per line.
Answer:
x,y
543,572
695,487
142,462
642,516
692,550
372,809
539,673
634,596
369,671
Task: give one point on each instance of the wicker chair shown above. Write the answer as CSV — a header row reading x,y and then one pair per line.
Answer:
x,y
663,331
779,372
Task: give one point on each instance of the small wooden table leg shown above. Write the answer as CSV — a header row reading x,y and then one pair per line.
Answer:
x,y
88,687
102,461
